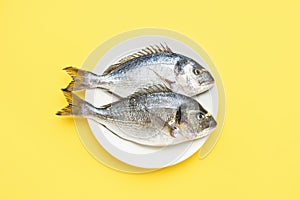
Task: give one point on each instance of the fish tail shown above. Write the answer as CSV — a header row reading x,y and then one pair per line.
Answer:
x,y
82,79
76,106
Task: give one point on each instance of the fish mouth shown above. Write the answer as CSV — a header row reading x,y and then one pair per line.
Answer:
x,y
212,124
207,81
206,132
208,126
207,85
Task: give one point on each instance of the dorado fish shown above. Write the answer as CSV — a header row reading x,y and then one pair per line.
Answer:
x,y
151,66
154,116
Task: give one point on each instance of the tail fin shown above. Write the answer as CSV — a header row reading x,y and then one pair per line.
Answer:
x,y
81,79
76,107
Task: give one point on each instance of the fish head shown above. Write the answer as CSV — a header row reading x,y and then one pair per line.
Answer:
x,y
192,77
199,123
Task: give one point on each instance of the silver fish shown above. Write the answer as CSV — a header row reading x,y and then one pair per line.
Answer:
x,y
151,66
154,116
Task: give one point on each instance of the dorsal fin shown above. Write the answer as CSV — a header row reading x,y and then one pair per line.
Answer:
x,y
152,89
146,51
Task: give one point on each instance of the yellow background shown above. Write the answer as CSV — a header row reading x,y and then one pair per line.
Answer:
x,y
255,47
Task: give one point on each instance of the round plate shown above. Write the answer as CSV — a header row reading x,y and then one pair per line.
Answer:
x,y
140,158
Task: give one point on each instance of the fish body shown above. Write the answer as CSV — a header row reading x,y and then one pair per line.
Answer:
x,y
153,118
151,66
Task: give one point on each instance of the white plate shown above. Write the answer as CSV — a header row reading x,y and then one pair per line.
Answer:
x,y
131,153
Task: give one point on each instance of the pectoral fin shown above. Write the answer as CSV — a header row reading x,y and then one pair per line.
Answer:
x,y
173,123
166,82
170,129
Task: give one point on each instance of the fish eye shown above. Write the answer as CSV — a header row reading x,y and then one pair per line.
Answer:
x,y
200,116
196,71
